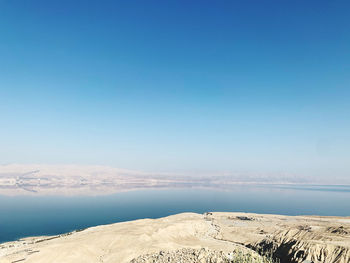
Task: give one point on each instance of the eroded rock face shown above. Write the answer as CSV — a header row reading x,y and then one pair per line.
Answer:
x,y
290,239
296,250
295,245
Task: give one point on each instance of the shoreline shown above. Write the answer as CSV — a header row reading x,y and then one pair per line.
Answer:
x,y
68,192
48,237
212,230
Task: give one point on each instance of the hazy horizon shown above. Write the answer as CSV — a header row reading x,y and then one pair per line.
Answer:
x,y
177,86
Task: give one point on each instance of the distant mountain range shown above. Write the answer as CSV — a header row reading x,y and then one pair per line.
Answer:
x,y
17,179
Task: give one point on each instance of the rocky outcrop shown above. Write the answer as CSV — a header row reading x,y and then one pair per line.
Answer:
x,y
296,247
201,256
289,239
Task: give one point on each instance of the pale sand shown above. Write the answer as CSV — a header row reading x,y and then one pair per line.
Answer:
x,y
327,238
120,242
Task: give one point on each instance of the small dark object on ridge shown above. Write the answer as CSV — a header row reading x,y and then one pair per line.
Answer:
x,y
245,218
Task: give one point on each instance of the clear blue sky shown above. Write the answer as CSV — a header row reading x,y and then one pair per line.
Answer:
x,y
259,86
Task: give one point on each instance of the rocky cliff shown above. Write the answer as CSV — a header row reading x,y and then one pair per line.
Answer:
x,y
289,239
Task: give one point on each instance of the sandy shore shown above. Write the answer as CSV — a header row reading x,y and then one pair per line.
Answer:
x,y
293,239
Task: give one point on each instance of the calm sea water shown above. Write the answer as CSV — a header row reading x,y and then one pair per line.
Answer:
x,y
32,216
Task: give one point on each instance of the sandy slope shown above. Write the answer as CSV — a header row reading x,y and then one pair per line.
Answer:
x,y
119,242
320,238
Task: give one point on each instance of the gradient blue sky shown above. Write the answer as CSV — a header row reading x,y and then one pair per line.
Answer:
x,y
257,86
